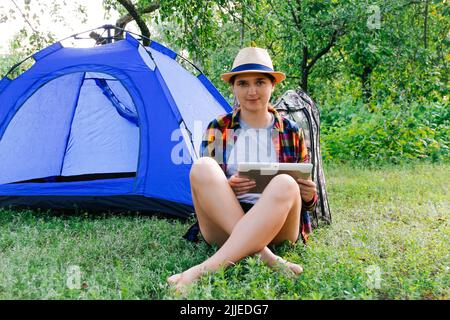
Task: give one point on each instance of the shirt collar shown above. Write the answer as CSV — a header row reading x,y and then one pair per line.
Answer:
x,y
278,123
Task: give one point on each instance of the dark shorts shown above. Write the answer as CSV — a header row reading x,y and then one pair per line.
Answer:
x,y
246,206
194,230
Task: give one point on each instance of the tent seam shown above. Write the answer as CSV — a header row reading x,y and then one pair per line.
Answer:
x,y
71,123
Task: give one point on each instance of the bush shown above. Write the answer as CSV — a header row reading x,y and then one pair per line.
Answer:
x,y
390,134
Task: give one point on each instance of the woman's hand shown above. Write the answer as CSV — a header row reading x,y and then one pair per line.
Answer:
x,y
241,185
307,189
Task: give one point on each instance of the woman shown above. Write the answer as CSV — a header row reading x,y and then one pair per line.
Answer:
x,y
230,216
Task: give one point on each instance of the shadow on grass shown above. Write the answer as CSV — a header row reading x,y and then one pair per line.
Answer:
x,y
90,215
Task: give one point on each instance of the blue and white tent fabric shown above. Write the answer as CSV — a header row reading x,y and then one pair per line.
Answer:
x,y
115,126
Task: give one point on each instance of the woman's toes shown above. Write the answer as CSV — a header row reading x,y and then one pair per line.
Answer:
x,y
174,278
295,268
282,264
186,278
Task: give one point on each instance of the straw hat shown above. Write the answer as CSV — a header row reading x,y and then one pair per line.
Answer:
x,y
253,59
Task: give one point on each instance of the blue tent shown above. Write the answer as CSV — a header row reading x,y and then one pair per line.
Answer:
x,y
109,127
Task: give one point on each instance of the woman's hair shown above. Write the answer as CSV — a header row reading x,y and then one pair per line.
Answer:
x,y
267,75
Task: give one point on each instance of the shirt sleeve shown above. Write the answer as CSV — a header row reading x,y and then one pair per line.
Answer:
x,y
304,158
207,148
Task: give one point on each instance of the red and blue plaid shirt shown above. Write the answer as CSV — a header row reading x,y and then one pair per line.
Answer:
x,y
288,140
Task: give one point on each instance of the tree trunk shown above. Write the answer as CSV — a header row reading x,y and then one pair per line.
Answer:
x,y
127,18
306,67
365,84
425,25
242,28
304,70
136,16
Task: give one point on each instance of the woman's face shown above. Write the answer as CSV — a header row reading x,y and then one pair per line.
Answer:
x,y
253,90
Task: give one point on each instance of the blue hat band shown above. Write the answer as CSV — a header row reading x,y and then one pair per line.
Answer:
x,y
252,66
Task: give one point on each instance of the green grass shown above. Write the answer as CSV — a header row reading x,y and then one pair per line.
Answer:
x,y
389,240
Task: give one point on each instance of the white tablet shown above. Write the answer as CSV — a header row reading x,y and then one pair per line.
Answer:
x,y
263,172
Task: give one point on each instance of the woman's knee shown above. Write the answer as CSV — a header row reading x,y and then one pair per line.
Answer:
x,y
203,169
284,186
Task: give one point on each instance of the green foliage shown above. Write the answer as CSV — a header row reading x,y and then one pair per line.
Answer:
x,y
6,62
391,134
383,90
32,36
195,27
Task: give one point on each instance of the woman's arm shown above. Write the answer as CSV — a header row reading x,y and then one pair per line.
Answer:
x,y
308,188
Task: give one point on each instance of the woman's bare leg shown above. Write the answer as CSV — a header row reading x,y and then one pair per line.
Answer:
x,y
214,224
277,213
217,216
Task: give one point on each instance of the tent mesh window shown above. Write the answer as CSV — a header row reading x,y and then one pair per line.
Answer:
x,y
80,126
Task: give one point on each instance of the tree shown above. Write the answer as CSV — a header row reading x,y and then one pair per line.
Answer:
x,y
196,21
134,12
32,36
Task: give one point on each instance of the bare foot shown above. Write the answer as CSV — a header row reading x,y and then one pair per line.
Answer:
x,y
184,279
276,262
286,265
172,280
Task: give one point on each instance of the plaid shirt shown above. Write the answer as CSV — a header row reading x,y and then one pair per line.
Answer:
x,y
288,140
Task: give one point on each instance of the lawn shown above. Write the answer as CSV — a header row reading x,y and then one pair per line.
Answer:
x,y
389,239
